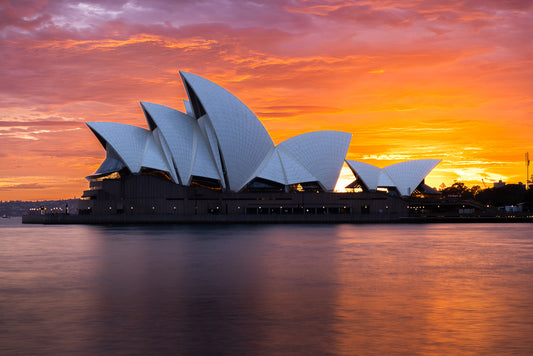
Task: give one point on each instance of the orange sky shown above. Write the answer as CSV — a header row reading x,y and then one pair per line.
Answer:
x,y
410,79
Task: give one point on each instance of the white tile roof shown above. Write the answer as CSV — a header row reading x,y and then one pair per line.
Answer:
x,y
405,176
242,139
220,138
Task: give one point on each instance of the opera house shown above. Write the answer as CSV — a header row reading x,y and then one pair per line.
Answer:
x,y
217,162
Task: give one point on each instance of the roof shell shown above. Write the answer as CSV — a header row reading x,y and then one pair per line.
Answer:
x,y
409,174
220,138
368,173
162,143
203,163
273,169
133,145
178,130
242,139
405,176
283,168
322,154
128,141
112,163
295,171
153,156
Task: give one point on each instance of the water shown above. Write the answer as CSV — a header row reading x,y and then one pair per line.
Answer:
x,y
263,290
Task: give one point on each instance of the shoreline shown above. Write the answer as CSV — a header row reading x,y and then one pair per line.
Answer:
x,y
63,219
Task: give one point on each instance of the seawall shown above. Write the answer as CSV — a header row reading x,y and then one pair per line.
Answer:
x,y
257,219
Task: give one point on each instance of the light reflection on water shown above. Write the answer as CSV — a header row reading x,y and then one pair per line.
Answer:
x,y
266,289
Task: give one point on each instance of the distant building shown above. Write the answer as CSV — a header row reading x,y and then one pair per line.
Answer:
x,y
499,184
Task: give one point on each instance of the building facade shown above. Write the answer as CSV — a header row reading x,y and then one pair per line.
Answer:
x,y
217,159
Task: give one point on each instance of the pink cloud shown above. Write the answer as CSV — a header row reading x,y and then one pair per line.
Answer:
x,y
301,65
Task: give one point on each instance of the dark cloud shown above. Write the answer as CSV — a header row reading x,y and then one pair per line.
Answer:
x,y
23,186
41,123
25,15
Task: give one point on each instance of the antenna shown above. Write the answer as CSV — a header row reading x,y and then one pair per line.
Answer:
x,y
527,170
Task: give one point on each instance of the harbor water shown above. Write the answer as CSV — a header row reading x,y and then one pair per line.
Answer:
x,y
339,289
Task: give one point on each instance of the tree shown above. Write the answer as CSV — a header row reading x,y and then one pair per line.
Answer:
x,y
456,190
475,190
472,192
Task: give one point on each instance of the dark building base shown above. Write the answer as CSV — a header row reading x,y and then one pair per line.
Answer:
x,y
199,219
147,199
142,199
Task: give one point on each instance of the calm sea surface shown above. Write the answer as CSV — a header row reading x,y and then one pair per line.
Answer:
x,y
266,289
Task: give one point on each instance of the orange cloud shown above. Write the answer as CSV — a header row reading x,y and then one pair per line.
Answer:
x,y
442,79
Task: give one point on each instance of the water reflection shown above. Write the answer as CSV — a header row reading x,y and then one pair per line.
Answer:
x,y
436,289
210,290
281,289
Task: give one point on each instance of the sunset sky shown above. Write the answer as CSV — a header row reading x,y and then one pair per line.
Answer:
x,y
410,79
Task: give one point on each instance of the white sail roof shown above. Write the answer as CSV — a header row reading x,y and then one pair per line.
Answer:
x,y
210,136
385,180
221,139
295,172
203,162
162,143
188,108
322,153
112,162
368,173
404,176
128,141
181,135
153,156
283,168
409,174
134,146
242,139
273,169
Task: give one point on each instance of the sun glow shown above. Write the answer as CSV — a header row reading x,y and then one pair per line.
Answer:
x,y
426,85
